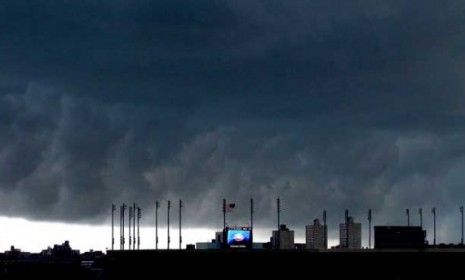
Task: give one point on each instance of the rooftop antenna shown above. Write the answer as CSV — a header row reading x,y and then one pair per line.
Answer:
x,y
407,212
113,208
325,230
346,217
420,212
139,215
369,228
157,205
134,226
168,227
180,224
461,220
129,225
434,225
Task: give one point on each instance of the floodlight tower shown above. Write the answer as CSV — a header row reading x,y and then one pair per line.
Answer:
x,y
139,216
461,224
407,212
113,208
325,228
346,217
224,214
251,217
434,225
120,227
180,224
134,226
157,205
168,225
369,228
278,210
123,209
420,212
251,213
129,226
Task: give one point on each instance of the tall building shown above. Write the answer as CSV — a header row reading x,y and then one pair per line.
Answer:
x,y
350,234
283,239
316,235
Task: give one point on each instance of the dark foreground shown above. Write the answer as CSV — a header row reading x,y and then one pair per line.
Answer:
x,y
149,264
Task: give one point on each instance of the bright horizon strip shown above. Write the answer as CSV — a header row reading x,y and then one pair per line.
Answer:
x,y
35,236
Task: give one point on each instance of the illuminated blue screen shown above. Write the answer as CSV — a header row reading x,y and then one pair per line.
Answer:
x,y
238,237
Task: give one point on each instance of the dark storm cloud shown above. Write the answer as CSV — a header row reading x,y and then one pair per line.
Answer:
x,y
328,104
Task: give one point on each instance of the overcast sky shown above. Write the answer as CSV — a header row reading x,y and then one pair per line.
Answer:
x,y
327,104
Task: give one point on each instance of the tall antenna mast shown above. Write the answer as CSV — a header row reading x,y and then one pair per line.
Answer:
x,y
407,212
157,205
129,225
369,228
420,212
434,225
113,208
325,228
139,215
168,227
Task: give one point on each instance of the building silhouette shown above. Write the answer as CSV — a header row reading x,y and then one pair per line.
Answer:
x,y
315,235
350,234
63,251
283,239
399,237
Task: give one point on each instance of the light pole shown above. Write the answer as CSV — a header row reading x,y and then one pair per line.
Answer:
x,y
461,220
325,228
347,226
180,222
369,229
168,227
434,226
420,212
113,208
157,205
407,212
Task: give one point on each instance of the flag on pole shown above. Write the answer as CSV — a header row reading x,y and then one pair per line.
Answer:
x,y
230,207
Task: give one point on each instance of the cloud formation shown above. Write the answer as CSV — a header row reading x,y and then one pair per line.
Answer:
x,y
327,104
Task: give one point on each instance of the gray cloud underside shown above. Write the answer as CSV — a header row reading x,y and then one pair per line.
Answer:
x,y
327,104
